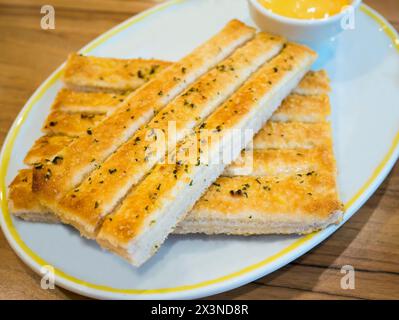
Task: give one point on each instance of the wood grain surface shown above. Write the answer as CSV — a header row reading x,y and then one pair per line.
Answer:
x,y
369,241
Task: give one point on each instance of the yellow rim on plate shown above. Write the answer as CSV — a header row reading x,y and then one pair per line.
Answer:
x,y
65,278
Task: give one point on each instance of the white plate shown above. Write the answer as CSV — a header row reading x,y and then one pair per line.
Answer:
x,y
364,67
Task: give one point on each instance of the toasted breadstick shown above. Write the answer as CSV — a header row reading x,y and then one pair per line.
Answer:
x,y
292,135
23,203
279,162
87,102
151,211
303,108
302,199
315,83
88,152
70,124
108,74
45,148
266,205
98,195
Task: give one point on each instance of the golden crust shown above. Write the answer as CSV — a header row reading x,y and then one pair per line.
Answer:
x,y
109,74
132,161
266,205
70,124
292,135
21,200
127,221
282,162
312,194
45,148
314,83
140,209
303,109
51,182
87,102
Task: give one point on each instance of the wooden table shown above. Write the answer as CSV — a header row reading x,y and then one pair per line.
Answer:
x,y
369,241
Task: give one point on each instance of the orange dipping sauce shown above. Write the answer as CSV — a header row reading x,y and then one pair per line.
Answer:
x,y
305,9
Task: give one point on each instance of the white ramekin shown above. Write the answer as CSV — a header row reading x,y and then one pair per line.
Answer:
x,y
300,30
